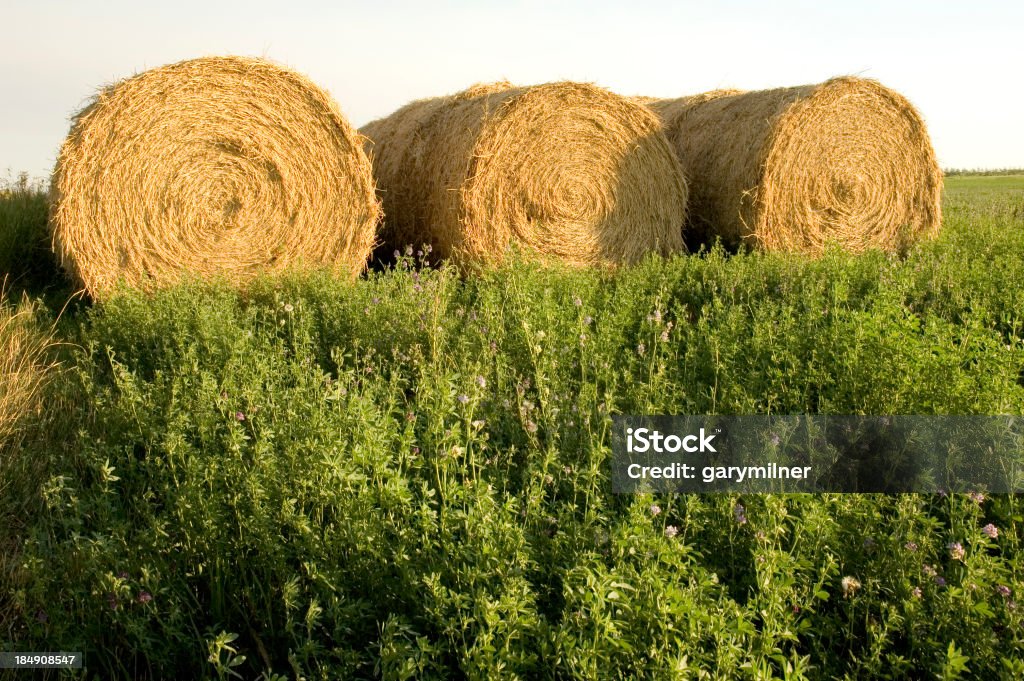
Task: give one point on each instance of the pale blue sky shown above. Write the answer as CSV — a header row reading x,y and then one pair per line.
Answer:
x,y
958,62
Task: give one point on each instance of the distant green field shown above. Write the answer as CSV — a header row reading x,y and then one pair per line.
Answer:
x,y
1007,186
407,476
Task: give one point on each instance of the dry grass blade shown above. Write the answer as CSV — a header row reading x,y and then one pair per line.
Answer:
x,y
220,166
566,171
24,368
847,161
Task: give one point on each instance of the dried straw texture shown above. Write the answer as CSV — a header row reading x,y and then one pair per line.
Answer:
x,y
847,161
23,369
566,171
220,166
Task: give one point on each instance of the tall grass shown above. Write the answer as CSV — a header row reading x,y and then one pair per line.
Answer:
x,y
26,257
26,367
23,365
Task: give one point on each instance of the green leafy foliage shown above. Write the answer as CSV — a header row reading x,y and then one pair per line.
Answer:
x,y
407,476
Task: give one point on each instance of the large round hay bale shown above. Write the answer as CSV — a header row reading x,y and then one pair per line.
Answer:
x,y
219,167
847,162
567,171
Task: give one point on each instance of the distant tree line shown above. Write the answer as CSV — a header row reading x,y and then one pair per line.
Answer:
x,y
983,171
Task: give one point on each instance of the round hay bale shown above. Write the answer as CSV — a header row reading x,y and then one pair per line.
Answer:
x,y
217,167
565,170
847,161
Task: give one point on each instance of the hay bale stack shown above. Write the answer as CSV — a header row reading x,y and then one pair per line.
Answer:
x,y
566,171
220,166
847,161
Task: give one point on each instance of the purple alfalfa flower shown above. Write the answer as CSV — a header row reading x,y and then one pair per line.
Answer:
x,y
910,546
239,416
740,513
112,600
940,580
976,497
463,399
775,439
956,550
41,616
481,382
577,301
990,531
641,349
655,509
671,531
1003,591
145,597
868,542
916,592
